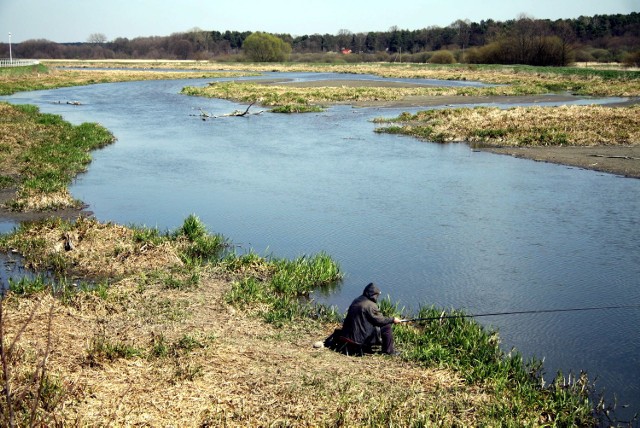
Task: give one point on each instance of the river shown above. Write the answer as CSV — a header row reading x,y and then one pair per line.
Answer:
x,y
429,223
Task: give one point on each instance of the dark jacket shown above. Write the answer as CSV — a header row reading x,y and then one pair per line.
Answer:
x,y
364,316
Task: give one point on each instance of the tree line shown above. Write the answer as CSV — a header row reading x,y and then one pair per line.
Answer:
x,y
525,40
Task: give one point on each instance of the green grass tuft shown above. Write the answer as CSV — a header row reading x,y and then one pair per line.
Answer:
x,y
298,108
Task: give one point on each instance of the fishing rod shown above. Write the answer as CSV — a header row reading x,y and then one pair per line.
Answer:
x,y
539,311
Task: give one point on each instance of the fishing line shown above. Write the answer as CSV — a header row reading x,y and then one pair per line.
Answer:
x,y
539,311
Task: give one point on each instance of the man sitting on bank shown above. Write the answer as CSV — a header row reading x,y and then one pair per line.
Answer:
x,y
365,324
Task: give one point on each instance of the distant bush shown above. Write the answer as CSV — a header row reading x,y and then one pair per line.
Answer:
x,y
472,56
632,59
382,56
442,57
602,55
419,58
583,55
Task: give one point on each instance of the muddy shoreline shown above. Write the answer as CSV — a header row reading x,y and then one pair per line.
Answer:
x,y
8,215
618,160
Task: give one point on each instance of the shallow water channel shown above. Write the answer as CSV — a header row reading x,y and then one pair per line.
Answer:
x,y
429,223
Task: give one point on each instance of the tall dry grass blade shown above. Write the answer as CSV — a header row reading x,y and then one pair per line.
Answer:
x,y
42,370
5,368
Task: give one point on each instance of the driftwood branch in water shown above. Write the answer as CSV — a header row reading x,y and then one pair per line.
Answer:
x,y
237,113
204,115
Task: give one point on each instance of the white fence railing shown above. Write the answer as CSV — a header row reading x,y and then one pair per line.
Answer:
x,y
6,62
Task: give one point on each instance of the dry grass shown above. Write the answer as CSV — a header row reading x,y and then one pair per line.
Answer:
x,y
274,95
517,80
142,353
61,77
36,201
527,126
243,373
98,249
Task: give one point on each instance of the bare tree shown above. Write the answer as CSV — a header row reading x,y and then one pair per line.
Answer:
x,y
567,41
344,38
464,32
96,38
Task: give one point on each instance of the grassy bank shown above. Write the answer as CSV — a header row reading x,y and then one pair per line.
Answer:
x,y
522,126
506,81
177,329
39,77
41,153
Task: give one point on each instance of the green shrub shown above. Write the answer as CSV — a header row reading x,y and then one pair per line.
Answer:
x,y
203,246
297,108
442,57
278,294
27,286
102,349
264,47
632,59
193,228
146,235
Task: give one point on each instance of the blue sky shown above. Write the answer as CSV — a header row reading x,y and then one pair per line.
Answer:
x,y
74,20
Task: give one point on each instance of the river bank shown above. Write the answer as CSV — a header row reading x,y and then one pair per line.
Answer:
x,y
618,160
160,339
612,159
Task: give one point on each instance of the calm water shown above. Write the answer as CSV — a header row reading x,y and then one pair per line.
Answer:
x,y
431,224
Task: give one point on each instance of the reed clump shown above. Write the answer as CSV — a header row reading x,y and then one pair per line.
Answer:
x,y
278,289
449,339
523,126
297,108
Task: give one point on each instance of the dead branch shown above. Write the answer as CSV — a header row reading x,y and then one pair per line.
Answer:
x,y
237,113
